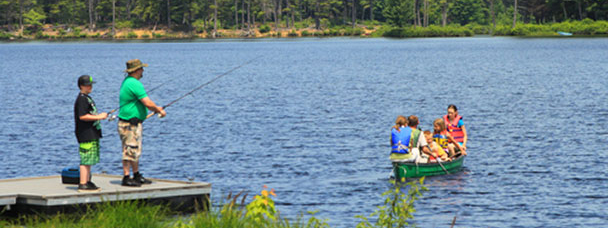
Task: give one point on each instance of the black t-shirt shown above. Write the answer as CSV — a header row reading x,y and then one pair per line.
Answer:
x,y
86,130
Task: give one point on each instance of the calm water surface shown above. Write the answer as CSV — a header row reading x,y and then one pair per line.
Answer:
x,y
311,117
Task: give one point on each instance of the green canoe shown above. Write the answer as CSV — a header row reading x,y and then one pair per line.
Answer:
x,y
404,170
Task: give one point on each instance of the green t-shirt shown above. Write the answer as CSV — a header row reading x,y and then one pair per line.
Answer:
x,y
131,92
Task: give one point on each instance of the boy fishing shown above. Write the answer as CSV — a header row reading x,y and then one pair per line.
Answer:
x,y
88,132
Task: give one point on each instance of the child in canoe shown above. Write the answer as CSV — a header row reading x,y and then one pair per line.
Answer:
x,y
436,150
443,138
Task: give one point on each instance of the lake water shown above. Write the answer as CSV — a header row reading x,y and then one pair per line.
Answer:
x,y
311,117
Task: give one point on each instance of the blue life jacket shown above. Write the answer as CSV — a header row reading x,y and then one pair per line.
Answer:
x,y
400,140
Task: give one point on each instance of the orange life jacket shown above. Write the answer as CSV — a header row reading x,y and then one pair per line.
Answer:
x,y
453,128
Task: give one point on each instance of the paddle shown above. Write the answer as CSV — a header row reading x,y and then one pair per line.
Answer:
x,y
438,161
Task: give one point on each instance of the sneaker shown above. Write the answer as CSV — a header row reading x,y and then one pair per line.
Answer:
x,y
140,178
91,184
88,188
127,181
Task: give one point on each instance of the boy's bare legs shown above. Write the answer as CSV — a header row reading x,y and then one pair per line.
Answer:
x,y
84,173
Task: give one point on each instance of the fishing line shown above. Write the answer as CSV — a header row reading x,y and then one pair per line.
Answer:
x,y
203,85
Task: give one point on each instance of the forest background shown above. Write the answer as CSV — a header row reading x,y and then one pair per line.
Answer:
x,y
149,19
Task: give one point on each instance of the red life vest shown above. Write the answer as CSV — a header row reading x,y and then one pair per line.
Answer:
x,y
453,128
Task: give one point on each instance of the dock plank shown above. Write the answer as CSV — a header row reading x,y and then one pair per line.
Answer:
x,y
50,192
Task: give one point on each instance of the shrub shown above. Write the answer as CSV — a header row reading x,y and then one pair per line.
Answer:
x,y
40,35
431,31
292,33
124,24
199,25
334,32
264,28
306,33
61,32
4,35
145,36
131,35
398,207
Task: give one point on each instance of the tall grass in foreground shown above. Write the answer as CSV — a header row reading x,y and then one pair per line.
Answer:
x,y
108,214
397,211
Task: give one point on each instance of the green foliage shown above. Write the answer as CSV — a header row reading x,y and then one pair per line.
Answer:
x,y
261,212
264,28
107,215
199,25
4,35
292,33
479,29
468,11
40,35
190,16
398,206
34,18
354,31
306,33
76,33
262,207
398,12
131,35
124,24
584,27
431,31
61,32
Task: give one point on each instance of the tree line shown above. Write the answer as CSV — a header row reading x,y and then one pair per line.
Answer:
x,y
211,15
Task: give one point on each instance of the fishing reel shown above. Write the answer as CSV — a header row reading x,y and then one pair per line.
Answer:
x,y
112,118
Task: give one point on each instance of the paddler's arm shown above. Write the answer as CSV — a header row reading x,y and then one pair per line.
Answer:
x,y
464,139
90,117
425,149
152,106
461,148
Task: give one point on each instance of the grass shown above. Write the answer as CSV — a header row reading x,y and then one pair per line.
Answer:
x,y
260,212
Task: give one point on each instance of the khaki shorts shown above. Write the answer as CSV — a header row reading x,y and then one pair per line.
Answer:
x,y
130,135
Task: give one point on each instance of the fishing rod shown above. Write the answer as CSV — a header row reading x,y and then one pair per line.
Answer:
x,y
203,85
113,117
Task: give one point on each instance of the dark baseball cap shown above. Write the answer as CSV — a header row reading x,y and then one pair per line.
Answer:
x,y
85,80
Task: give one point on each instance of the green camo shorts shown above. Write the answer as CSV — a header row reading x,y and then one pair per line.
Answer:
x,y
89,152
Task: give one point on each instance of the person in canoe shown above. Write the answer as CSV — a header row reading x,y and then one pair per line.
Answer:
x,y
443,138
438,153
456,128
418,143
405,141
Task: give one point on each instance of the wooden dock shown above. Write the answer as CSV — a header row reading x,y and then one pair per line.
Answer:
x,y
49,195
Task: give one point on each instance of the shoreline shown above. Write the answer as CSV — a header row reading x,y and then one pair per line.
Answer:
x,y
81,33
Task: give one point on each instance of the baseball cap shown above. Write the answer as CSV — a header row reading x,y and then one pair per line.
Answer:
x,y
85,80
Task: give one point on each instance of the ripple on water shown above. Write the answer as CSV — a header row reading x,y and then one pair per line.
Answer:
x,y
310,120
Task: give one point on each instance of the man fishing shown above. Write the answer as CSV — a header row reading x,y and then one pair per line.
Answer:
x,y
134,105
